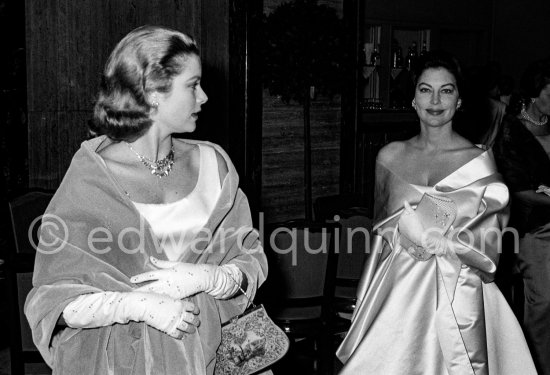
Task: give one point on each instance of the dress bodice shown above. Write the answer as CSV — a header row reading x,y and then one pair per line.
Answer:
x,y
176,224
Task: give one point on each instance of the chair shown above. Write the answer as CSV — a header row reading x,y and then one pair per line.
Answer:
x,y
25,213
353,247
353,251
326,207
509,278
301,286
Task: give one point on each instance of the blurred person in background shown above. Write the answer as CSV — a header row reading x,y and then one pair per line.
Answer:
x,y
522,152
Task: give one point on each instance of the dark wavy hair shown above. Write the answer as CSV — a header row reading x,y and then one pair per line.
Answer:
x,y
145,60
535,78
439,59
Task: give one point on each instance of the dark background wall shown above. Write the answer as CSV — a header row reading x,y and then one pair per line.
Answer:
x,y
462,27
521,34
518,29
13,98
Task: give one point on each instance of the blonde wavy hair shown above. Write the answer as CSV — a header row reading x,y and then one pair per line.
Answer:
x,y
144,61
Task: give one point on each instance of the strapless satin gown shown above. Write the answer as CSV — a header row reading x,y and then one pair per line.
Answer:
x,y
445,315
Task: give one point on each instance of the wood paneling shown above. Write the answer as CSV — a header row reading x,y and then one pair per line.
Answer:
x,y
270,5
282,160
68,43
283,155
49,128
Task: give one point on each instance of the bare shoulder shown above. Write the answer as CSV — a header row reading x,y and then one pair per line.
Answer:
x,y
187,153
390,152
191,152
222,166
466,150
184,148
475,151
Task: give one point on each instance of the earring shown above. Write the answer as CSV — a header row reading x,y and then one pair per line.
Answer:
x,y
154,101
533,100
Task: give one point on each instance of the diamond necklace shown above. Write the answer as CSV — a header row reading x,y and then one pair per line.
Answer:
x,y
526,116
160,168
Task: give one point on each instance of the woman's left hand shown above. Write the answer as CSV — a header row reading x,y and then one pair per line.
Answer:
x,y
181,280
176,279
410,225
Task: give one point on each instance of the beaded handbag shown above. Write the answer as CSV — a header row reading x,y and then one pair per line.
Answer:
x,y
250,343
436,213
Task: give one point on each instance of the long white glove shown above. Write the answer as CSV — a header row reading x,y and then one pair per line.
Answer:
x,y
181,280
173,317
411,227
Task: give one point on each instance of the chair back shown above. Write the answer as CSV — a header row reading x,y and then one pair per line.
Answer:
x,y
303,265
325,208
25,212
353,248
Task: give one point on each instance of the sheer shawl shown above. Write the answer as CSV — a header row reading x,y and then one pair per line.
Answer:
x,y
90,204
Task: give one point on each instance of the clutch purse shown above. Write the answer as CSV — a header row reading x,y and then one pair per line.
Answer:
x,y
435,213
250,343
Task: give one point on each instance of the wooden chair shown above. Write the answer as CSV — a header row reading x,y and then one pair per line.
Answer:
x,y
353,251
353,248
326,207
509,278
25,213
302,261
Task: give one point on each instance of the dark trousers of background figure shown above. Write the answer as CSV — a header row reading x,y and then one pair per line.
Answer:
x,y
534,265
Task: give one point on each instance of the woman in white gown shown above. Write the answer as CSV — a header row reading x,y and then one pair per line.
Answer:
x,y
442,314
137,205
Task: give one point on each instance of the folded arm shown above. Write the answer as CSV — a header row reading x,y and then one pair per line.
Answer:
x,y
173,317
181,280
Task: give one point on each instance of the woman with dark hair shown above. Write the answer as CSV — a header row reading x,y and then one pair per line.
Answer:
x,y
522,153
426,301
147,245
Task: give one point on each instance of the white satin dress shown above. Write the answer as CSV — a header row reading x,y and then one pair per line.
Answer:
x,y
443,316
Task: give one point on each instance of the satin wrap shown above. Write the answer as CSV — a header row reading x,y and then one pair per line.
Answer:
x,y
66,266
444,315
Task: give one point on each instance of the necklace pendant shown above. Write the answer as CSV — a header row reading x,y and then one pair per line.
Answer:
x,y
159,168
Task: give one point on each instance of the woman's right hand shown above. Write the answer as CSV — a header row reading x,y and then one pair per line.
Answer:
x,y
171,316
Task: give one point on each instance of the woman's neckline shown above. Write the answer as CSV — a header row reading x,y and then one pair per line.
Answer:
x,y
182,198
537,131
442,179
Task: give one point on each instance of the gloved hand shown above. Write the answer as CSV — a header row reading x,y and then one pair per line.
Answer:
x,y
436,243
410,225
543,189
430,241
173,317
181,280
